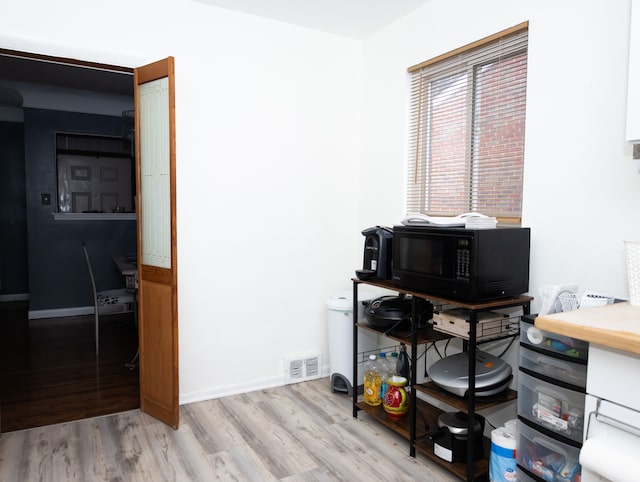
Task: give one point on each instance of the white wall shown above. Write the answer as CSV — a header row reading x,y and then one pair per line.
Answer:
x,y
273,121
581,186
267,167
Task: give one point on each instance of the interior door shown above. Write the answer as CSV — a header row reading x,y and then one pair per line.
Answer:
x,y
157,260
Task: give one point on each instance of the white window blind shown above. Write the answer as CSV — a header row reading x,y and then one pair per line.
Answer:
x,y
466,132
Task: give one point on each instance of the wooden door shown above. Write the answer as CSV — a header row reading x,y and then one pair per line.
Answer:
x,y
157,254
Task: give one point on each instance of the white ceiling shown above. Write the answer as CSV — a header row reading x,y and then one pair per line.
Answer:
x,y
350,18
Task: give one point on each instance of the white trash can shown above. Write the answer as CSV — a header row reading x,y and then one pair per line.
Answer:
x,y
340,325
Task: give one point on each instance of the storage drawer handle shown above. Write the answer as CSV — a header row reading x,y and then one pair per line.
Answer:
x,y
553,363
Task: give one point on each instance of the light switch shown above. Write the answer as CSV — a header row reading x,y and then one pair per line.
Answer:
x,y
45,198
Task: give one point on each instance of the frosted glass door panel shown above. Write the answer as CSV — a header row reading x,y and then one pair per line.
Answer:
x,y
155,185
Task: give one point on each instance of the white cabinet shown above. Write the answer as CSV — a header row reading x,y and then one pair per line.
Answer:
x,y
612,411
614,375
633,87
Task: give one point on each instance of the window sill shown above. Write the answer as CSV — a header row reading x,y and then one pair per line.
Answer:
x,y
94,216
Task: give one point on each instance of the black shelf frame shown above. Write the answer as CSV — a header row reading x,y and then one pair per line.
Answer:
x,y
469,345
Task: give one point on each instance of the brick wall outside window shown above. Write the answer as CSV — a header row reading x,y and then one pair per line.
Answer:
x,y
467,141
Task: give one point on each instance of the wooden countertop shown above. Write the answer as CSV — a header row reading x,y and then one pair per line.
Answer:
x,y
613,326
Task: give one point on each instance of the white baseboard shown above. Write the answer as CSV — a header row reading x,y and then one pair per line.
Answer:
x,y
60,312
14,297
219,392
228,390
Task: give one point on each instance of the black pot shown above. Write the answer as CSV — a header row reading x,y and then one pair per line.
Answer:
x,y
394,312
451,438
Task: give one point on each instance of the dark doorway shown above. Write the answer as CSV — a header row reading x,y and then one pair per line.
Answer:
x,y
13,216
49,372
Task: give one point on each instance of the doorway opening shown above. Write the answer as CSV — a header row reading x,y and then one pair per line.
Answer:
x,y
49,369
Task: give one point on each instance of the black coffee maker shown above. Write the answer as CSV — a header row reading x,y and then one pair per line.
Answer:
x,y
377,253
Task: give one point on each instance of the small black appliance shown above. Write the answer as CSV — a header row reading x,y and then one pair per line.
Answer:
x,y
450,439
377,253
395,312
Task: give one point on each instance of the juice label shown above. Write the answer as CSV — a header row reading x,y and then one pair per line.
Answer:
x,y
372,390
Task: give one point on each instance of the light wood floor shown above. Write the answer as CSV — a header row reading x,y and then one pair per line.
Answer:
x,y
299,432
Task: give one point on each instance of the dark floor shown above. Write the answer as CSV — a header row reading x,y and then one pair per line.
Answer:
x,y
49,372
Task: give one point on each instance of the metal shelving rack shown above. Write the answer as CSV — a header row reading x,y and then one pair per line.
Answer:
x,y
408,428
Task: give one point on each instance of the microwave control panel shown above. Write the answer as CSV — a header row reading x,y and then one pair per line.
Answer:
x,y
463,263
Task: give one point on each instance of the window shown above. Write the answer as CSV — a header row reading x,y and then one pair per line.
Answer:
x,y
95,174
466,132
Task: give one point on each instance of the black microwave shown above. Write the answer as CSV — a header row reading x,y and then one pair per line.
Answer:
x,y
465,264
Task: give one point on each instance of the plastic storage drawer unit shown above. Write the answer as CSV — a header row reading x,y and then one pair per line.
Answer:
x,y
550,406
523,476
551,342
549,459
553,367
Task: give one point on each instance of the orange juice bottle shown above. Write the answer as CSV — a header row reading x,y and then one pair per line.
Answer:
x,y
372,382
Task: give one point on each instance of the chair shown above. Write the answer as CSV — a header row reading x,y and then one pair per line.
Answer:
x,y
106,301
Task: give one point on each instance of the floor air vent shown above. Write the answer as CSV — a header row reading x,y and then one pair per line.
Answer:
x,y
302,368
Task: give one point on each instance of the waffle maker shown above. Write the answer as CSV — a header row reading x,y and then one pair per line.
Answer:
x,y
451,373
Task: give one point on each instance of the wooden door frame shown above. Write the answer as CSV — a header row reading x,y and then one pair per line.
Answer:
x,y
54,60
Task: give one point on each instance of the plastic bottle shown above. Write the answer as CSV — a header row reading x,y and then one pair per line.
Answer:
x,y
404,366
385,372
372,381
393,364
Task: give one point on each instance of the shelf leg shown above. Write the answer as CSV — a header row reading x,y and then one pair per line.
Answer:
x,y
355,350
412,383
471,397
